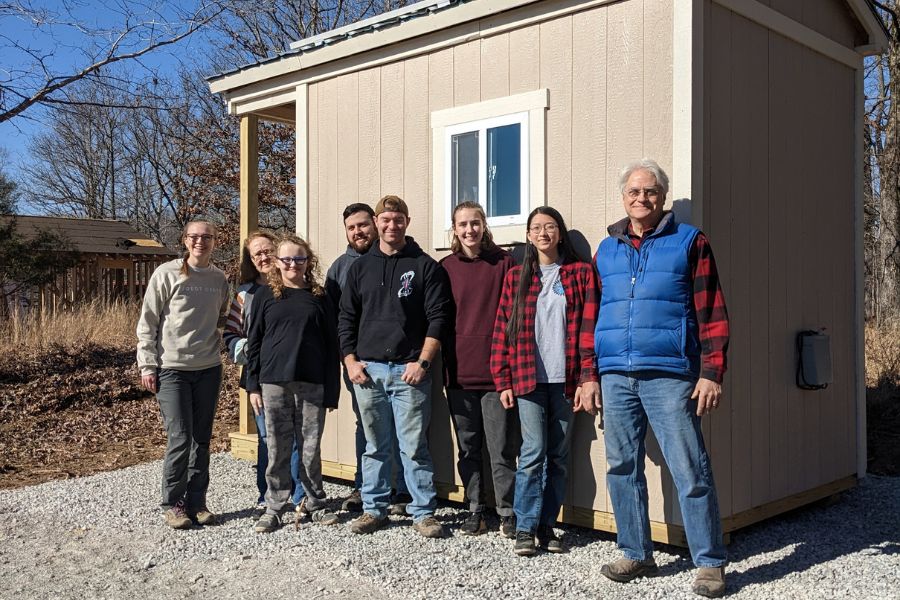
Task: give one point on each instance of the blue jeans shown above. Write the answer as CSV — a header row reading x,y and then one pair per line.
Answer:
x,y
360,442
663,399
546,418
262,463
391,409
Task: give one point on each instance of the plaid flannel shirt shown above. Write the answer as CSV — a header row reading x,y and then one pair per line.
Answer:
x,y
513,361
709,303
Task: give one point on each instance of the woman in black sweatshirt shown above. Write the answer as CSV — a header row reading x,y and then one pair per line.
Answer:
x,y
293,371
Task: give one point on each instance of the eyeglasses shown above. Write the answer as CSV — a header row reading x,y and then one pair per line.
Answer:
x,y
548,227
634,193
262,253
195,237
290,260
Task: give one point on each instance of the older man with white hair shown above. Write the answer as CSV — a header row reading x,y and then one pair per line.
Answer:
x,y
661,343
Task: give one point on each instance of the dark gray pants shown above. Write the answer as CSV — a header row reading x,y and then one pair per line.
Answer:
x,y
479,418
294,409
187,403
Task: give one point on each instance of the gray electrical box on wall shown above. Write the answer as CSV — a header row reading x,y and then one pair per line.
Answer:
x,y
814,360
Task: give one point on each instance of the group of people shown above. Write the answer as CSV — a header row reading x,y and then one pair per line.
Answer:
x,y
640,333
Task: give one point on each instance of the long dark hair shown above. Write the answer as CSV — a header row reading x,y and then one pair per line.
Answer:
x,y
530,267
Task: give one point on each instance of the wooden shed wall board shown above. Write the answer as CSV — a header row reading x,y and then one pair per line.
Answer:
x,y
372,127
779,215
831,18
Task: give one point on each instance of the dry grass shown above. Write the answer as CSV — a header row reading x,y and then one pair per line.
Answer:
x,y
105,324
883,356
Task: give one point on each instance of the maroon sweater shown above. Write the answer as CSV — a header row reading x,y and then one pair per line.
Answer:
x,y
476,284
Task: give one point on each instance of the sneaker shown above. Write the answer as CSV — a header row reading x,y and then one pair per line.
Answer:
x,y
625,569
177,517
353,503
203,516
429,527
547,540
508,527
398,505
710,582
473,525
524,544
267,523
367,523
323,516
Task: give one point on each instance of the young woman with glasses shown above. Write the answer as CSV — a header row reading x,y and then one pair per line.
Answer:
x,y
543,363
178,357
257,261
293,373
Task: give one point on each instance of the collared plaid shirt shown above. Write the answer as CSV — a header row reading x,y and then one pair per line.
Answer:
x,y
513,361
709,303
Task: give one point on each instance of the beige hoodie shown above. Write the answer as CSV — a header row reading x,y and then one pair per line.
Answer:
x,y
180,319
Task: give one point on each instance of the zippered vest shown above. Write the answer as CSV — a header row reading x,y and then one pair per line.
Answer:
x,y
647,319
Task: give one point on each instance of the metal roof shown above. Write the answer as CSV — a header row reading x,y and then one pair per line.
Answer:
x,y
370,25
93,236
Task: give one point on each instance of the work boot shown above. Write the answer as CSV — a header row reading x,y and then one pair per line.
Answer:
x,y
267,523
177,517
353,503
203,516
710,582
625,569
398,504
429,527
367,523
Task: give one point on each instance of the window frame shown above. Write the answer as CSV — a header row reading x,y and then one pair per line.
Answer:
x,y
529,109
482,126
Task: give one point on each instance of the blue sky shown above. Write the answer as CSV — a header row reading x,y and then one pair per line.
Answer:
x,y
63,45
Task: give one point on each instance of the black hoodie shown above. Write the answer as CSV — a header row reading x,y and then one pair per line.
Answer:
x,y
390,304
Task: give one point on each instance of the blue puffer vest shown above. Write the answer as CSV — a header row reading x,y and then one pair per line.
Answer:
x,y
647,319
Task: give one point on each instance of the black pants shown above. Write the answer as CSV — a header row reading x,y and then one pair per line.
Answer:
x,y
479,418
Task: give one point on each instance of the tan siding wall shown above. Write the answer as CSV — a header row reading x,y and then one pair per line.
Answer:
x,y
779,209
608,70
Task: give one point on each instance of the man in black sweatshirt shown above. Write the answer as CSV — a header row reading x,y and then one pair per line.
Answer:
x,y
395,308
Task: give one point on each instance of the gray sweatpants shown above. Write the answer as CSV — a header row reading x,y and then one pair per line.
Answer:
x,y
187,402
294,408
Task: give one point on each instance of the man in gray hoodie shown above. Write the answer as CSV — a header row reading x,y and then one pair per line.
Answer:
x,y
359,226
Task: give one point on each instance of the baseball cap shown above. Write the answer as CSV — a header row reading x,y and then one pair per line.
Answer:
x,y
391,204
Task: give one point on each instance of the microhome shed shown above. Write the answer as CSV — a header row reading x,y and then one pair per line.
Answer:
x,y
754,107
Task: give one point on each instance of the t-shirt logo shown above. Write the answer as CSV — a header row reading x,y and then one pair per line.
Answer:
x,y
406,284
558,287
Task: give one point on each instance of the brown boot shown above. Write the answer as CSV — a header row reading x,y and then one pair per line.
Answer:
x,y
625,569
710,582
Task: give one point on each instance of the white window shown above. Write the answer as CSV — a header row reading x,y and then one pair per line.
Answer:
x,y
488,164
492,153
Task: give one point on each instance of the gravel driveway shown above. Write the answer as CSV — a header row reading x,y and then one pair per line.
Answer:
x,y
103,537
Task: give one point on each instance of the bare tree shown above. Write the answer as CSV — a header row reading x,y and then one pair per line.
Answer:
x,y
249,30
37,45
882,170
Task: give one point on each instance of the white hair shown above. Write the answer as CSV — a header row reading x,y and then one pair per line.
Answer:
x,y
645,164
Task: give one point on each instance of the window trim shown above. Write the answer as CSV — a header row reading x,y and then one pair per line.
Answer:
x,y
482,126
534,105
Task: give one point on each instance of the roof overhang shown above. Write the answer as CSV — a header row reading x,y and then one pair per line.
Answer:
x,y
269,86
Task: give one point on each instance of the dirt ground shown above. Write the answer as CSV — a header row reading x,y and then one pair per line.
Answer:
x,y
68,412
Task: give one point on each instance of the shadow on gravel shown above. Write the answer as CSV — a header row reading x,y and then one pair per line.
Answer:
x,y
817,534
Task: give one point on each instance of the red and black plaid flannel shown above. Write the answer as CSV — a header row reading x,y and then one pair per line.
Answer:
x,y
709,303
513,361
